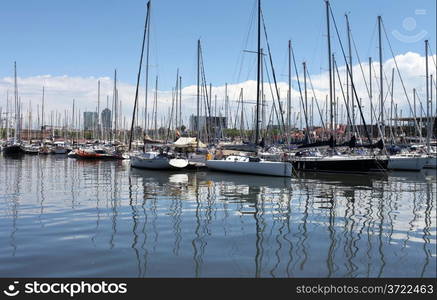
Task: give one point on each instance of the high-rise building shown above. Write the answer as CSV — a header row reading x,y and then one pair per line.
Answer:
x,y
89,120
106,119
212,123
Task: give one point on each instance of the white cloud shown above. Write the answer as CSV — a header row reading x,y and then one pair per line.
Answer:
x,y
61,90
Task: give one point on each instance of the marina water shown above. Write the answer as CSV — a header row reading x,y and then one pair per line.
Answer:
x,y
62,217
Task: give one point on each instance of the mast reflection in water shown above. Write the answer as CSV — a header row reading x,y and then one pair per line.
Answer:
x,y
62,217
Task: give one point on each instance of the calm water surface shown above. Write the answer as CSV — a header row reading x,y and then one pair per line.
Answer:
x,y
62,217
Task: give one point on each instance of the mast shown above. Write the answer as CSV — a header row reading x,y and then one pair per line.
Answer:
x,y
301,102
431,117
312,113
428,115
370,97
119,114
15,103
147,77
29,115
330,65
176,96
289,89
72,123
414,103
42,115
381,104
180,103
198,96
98,110
258,74
242,113
263,106
155,104
7,115
176,108
116,107
306,94
139,76
51,124
226,102
350,102
1,123
392,103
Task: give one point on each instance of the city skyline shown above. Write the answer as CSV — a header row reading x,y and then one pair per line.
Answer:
x,y
67,76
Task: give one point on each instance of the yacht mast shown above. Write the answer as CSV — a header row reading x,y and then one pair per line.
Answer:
x,y
17,108
198,96
289,89
258,75
350,102
428,113
370,97
330,67
381,104
139,76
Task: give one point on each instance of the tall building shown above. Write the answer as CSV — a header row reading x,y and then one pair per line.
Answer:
x,y
89,120
106,119
213,123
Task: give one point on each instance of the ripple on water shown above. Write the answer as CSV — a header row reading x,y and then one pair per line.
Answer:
x,y
62,217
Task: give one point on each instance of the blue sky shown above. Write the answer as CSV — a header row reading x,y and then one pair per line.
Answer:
x,y
91,38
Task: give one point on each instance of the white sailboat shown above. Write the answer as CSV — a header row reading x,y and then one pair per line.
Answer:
x,y
151,159
246,164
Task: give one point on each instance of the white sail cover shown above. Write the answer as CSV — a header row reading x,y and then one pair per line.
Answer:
x,y
188,142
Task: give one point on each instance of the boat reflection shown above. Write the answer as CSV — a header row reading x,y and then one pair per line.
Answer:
x,y
141,223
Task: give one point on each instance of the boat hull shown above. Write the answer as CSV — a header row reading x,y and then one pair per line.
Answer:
x,y
281,169
13,150
431,163
31,152
340,165
60,151
407,163
157,164
84,154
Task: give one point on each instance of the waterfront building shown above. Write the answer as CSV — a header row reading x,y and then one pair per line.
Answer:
x,y
89,120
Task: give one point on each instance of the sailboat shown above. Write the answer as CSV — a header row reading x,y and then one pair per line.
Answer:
x,y
152,159
157,161
248,164
334,161
413,161
251,165
14,147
